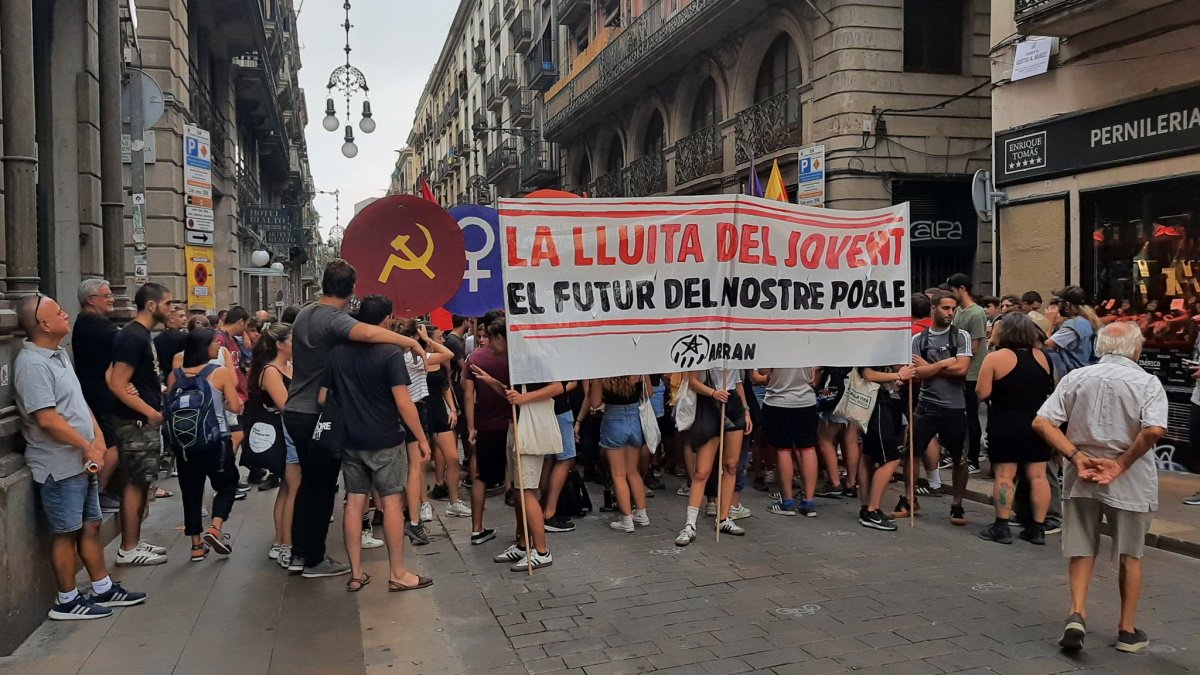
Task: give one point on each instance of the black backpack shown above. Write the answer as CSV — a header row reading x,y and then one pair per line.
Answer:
x,y
574,500
190,418
953,347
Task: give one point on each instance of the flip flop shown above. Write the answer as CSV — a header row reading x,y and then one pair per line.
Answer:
x,y
366,579
397,587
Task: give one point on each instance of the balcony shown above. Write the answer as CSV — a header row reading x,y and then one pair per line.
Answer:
x,y
520,31
663,40
648,175
479,57
610,184
698,154
510,77
209,117
767,126
480,120
520,108
462,84
537,166
462,198
502,161
494,20
573,12
1065,18
510,8
491,94
540,71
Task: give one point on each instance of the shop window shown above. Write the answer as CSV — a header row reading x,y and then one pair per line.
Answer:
x,y
933,36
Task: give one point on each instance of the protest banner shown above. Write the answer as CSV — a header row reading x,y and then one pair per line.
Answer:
x,y
605,287
482,288
408,249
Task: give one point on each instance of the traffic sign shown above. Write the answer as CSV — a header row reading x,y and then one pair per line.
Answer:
x,y
811,188
200,238
200,225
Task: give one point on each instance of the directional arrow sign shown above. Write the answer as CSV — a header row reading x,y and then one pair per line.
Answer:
x,y
200,238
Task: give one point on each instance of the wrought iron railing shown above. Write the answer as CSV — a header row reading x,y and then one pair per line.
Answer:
x,y
494,19
520,107
248,190
521,30
698,154
509,75
769,125
1026,8
537,165
648,33
648,175
611,184
540,70
502,160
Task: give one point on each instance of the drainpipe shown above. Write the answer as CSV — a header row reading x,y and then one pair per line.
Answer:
x,y
20,147
112,197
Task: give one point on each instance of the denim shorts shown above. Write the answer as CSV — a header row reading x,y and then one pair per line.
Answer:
x,y
622,427
70,501
566,424
292,456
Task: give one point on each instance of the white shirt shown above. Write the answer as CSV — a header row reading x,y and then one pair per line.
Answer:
x,y
790,388
418,386
1105,406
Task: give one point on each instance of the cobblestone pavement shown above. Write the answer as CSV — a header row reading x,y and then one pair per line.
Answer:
x,y
795,595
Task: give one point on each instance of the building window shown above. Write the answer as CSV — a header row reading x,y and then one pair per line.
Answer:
x,y
707,110
616,157
933,36
656,138
780,73
585,174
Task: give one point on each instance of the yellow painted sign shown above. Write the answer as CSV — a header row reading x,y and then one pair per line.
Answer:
x,y
201,284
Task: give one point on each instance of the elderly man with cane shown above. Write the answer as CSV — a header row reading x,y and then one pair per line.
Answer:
x,y
1114,413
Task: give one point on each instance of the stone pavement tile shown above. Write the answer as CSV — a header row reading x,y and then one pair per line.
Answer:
x,y
620,667
814,667
617,593
49,664
574,646
901,668
540,638
693,641
930,631
582,659
742,647
568,600
974,641
564,623
968,659
633,650
882,640
158,651
777,657
552,664
1043,665
684,657
527,628
835,647
701,626
868,626
739,633
723,666
552,613
928,648
870,658
531,653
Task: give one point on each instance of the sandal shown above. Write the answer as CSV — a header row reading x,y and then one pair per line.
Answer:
x,y
356,584
199,552
163,494
396,586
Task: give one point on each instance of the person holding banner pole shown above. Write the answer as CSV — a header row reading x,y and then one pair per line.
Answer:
x,y
881,444
623,442
722,419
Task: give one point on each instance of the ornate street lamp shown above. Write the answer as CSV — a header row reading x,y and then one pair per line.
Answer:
x,y
349,81
337,231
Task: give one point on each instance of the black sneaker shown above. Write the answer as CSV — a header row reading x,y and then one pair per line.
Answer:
x,y
417,534
559,524
243,486
957,515
1073,632
654,483
997,533
256,476
875,520
1052,527
270,483
829,492
482,537
439,492
1132,643
760,484
1034,535
118,597
850,492
81,607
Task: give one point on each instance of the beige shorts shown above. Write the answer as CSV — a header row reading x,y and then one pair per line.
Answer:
x,y
531,471
1081,528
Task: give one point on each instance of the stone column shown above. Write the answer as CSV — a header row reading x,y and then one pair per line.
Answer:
x,y
20,148
112,195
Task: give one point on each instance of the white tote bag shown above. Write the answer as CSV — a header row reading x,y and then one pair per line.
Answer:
x,y
650,431
685,405
858,401
538,432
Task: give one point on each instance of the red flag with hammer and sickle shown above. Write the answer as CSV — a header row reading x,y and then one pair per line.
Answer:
x,y
408,249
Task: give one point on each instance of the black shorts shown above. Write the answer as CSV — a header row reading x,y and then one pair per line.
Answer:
x,y
948,425
885,432
790,428
423,415
439,415
491,456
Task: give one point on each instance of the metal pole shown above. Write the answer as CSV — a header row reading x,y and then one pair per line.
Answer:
x,y
20,148
137,142
112,198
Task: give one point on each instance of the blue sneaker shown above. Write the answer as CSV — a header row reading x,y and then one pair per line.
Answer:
x,y
80,608
807,507
118,597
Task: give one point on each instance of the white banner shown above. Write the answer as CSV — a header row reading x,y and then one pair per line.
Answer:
x,y
605,287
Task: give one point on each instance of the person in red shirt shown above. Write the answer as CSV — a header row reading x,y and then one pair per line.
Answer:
x,y
922,312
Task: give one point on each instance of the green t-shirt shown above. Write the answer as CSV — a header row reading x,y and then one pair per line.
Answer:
x,y
973,321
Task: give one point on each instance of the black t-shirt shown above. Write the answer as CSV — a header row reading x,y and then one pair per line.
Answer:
x,y
132,346
92,342
360,378
562,402
167,344
456,346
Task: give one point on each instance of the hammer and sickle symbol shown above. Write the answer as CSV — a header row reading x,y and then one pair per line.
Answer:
x,y
410,261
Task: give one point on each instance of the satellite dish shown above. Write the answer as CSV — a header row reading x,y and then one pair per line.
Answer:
x,y
984,196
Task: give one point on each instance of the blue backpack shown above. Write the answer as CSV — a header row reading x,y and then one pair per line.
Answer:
x,y
190,418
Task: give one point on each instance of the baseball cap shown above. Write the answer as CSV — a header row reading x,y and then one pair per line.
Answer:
x,y
956,280
1072,294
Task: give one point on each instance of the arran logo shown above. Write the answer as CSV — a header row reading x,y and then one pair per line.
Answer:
x,y
690,350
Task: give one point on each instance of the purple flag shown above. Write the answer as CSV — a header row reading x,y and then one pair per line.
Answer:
x,y
754,186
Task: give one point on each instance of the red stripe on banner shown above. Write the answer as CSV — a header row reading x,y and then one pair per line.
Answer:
x,y
798,220
690,205
707,319
760,329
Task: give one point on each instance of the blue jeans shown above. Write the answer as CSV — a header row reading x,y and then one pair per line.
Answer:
x,y
566,424
70,501
622,427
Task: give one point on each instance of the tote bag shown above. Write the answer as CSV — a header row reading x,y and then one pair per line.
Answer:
x,y
685,406
858,401
538,432
650,431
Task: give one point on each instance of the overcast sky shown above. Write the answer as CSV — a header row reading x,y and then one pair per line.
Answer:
x,y
395,43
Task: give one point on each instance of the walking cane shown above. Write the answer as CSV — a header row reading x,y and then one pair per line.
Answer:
x,y
521,493
720,465
912,469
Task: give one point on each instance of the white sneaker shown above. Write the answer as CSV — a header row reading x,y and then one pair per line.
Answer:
x,y
510,555
285,556
738,512
458,509
273,553
139,557
426,512
686,536
730,527
641,518
684,490
711,509
147,546
536,560
369,540
620,526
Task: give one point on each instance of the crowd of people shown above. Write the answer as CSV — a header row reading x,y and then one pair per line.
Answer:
x,y
331,390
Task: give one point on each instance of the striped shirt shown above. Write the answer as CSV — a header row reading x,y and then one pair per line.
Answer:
x,y
418,387
1105,406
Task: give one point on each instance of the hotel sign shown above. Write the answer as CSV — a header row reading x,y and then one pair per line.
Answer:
x,y
1159,126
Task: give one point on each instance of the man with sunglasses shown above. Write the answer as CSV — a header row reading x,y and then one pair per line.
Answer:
x,y
138,417
64,449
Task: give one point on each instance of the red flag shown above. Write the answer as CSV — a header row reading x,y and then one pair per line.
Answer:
x,y
426,192
442,318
